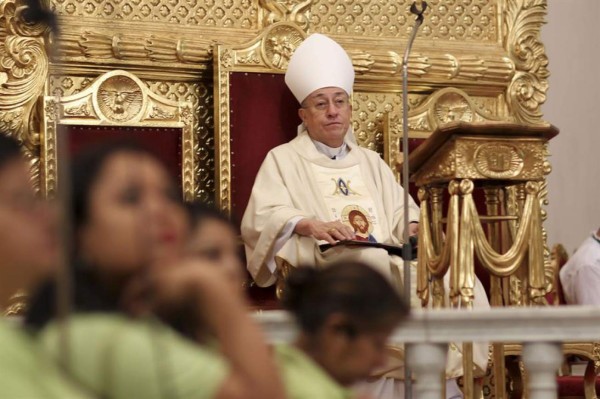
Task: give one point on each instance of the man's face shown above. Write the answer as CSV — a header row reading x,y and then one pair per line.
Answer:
x,y
326,113
360,224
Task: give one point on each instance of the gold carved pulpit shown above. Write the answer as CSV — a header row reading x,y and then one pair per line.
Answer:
x,y
507,162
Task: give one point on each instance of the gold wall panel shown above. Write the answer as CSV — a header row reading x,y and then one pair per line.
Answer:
x,y
462,20
241,14
369,112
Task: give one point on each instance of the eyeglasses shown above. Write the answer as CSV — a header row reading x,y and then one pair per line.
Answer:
x,y
322,105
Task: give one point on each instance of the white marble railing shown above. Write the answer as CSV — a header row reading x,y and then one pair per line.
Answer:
x,y
427,333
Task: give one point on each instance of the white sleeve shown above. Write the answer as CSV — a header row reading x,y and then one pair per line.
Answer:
x,y
284,235
587,285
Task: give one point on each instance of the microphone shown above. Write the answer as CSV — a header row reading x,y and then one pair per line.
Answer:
x,y
409,246
418,8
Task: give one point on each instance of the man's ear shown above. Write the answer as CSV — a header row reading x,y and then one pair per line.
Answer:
x,y
302,114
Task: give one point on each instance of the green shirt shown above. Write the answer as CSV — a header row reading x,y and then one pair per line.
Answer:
x,y
25,373
121,358
305,379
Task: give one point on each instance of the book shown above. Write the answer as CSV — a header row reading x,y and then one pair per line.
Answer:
x,y
391,249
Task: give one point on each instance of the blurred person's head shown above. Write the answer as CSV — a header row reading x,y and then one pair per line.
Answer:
x,y
127,212
127,217
28,245
346,313
214,238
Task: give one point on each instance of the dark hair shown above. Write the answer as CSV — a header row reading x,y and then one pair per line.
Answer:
x,y
86,168
351,288
9,148
200,212
89,294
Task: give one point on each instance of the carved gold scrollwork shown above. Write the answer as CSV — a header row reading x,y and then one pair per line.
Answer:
x,y
434,67
23,73
527,91
17,305
273,11
279,45
96,45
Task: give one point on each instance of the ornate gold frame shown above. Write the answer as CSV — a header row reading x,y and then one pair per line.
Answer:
x,y
117,98
268,53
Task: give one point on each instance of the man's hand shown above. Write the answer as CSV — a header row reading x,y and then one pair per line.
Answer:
x,y
328,231
413,229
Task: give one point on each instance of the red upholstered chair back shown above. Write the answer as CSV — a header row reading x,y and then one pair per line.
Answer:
x,y
263,115
164,143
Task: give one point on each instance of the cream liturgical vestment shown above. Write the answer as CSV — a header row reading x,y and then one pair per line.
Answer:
x,y
297,181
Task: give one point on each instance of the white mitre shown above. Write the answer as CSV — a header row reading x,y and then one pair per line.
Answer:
x,y
317,63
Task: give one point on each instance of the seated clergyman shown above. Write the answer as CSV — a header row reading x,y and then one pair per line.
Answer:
x,y
316,187
322,187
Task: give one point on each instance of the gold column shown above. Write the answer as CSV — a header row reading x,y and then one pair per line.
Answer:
x,y
436,195
498,286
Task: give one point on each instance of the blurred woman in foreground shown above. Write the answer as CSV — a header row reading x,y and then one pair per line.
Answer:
x,y
130,231
28,255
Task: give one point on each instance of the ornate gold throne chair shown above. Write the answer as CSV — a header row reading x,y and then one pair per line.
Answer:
x,y
118,105
254,112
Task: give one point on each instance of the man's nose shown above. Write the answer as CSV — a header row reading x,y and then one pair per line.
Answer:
x,y
332,110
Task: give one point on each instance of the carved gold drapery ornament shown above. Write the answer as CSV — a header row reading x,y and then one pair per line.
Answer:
x,y
456,156
464,232
528,241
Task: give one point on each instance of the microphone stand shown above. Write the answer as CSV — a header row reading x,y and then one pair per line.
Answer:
x,y
407,249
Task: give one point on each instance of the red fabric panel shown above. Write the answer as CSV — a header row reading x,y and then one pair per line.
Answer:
x,y
259,122
165,143
573,386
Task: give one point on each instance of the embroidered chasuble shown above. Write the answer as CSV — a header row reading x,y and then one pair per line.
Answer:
x,y
348,199
297,181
